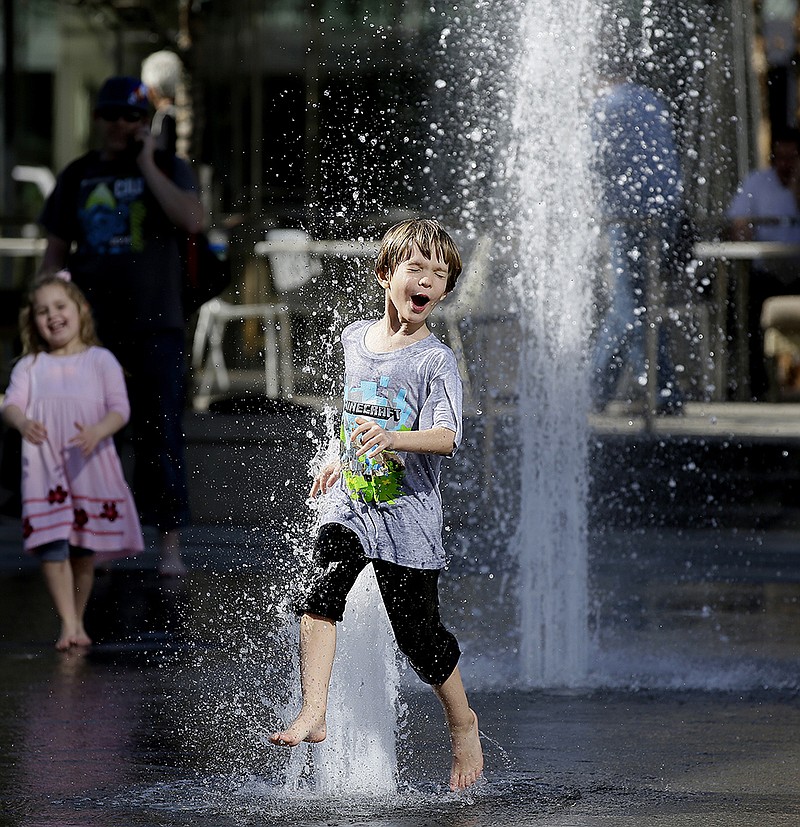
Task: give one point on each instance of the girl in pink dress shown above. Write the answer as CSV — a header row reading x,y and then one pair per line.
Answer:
x,y
67,398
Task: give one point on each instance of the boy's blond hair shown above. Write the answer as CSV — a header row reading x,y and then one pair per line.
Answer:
x,y
32,341
398,242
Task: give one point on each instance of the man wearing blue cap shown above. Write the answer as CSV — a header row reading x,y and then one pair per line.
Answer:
x,y
116,219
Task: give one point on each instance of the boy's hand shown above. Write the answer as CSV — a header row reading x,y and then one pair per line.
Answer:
x,y
86,439
33,432
371,437
325,479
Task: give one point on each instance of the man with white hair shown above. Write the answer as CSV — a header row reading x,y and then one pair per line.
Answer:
x,y
162,73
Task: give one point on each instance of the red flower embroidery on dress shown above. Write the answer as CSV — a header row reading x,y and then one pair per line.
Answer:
x,y
56,495
27,528
81,518
109,512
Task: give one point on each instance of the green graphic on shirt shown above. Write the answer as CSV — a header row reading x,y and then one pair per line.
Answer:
x,y
138,213
372,480
101,197
377,488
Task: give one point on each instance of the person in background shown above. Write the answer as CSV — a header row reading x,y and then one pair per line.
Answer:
x,y
116,220
161,74
765,208
67,399
638,170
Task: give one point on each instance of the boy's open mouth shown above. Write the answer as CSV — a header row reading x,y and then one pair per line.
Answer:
x,y
419,301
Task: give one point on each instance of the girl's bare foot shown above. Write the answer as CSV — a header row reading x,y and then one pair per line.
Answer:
x,y
467,755
80,638
64,641
306,727
72,635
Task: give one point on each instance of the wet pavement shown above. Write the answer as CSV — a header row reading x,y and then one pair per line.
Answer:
x,y
163,722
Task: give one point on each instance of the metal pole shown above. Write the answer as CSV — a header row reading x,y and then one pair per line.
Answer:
x,y
653,320
256,113
313,69
9,108
746,98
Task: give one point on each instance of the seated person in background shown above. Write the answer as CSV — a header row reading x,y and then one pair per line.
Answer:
x,y
765,208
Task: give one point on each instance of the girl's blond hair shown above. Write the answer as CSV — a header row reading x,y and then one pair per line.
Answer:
x,y
397,245
32,342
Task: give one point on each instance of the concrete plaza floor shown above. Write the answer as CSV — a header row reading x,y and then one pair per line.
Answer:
x,y
115,737
162,722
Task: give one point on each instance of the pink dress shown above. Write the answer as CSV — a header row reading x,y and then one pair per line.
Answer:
x,y
66,496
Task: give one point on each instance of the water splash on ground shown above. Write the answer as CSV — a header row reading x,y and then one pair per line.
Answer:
x,y
359,756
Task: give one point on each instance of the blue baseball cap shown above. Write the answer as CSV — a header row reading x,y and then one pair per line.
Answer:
x,y
123,92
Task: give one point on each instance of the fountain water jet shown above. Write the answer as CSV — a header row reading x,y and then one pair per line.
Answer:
x,y
544,185
525,180
550,163
359,756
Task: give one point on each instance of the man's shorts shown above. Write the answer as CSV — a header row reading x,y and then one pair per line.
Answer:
x,y
411,598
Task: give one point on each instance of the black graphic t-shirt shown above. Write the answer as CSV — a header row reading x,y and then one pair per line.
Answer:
x,y
126,255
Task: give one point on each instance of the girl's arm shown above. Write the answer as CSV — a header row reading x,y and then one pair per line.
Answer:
x,y
375,439
89,436
31,430
116,403
114,391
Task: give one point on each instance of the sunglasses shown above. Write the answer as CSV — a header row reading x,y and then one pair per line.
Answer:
x,y
114,113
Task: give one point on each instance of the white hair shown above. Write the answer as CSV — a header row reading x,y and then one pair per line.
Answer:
x,y
162,71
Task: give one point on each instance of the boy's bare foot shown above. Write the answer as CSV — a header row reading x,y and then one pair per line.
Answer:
x,y
306,728
467,756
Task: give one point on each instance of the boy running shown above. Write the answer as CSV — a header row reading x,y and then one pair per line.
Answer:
x,y
402,414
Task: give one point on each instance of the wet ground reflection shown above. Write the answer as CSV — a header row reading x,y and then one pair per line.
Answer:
x,y
93,739
162,724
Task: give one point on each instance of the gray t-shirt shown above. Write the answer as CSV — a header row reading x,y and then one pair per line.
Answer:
x,y
393,504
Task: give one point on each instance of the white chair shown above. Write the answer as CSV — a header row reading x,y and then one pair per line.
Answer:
x,y
290,264
208,358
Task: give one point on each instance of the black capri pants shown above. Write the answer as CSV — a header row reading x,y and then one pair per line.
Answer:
x,y
411,598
